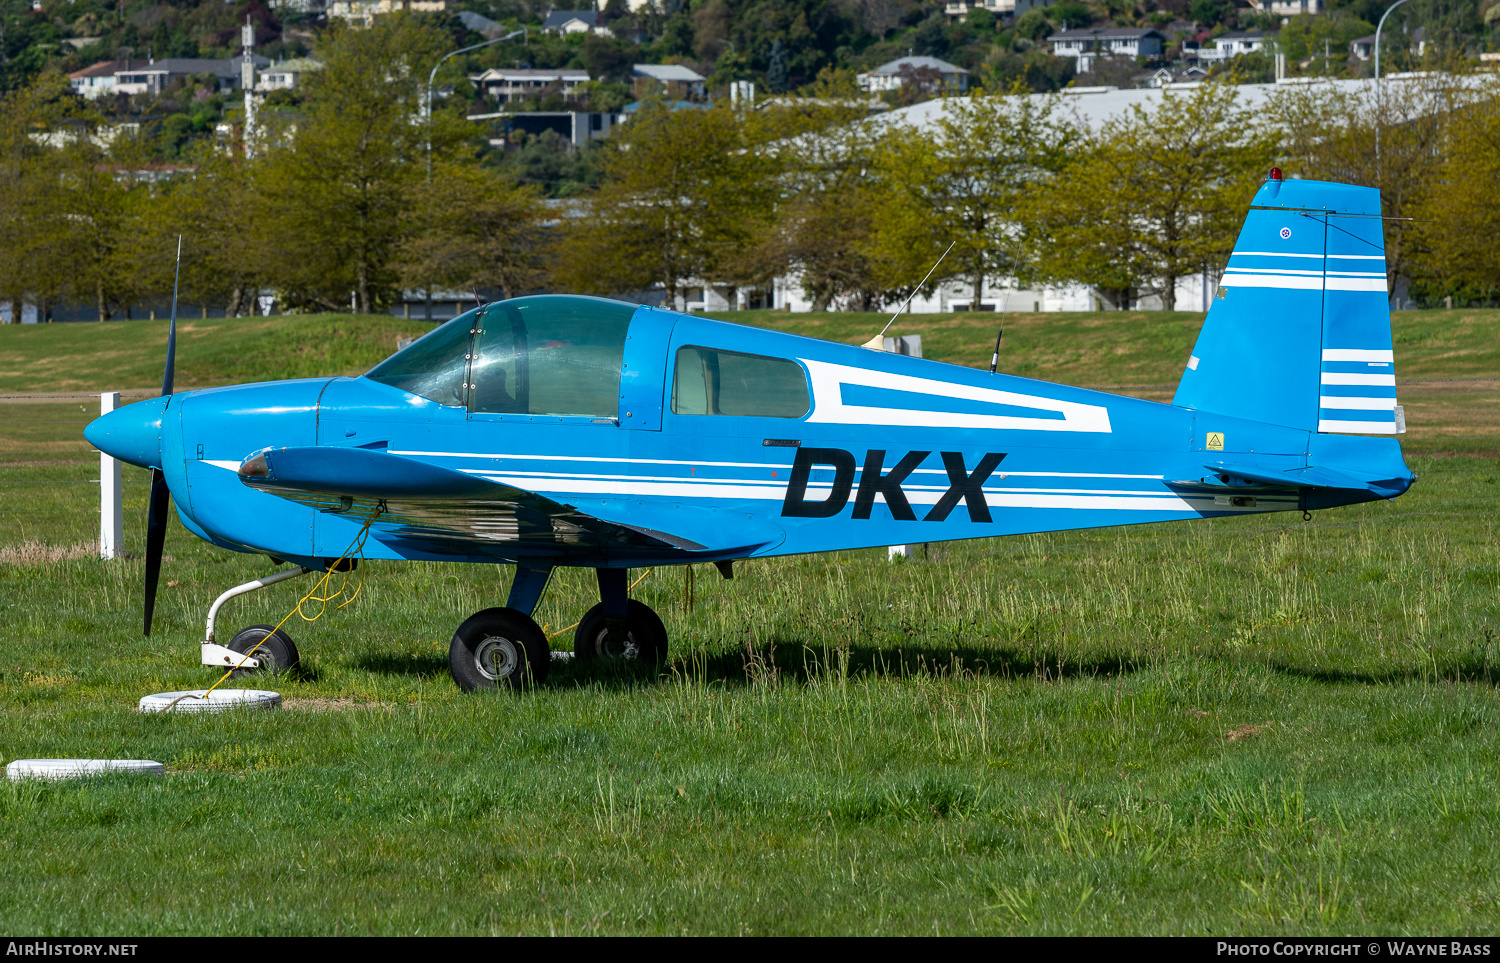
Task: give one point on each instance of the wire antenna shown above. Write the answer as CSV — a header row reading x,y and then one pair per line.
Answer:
x,y
877,343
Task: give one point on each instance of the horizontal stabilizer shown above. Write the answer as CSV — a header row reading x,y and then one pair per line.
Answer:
x,y
1309,477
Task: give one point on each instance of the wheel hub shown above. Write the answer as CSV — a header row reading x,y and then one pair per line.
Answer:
x,y
496,658
617,644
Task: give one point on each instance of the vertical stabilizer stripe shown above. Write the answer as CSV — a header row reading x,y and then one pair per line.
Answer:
x,y
1340,378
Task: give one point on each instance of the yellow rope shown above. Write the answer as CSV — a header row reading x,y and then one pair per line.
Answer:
x,y
355,546
575,625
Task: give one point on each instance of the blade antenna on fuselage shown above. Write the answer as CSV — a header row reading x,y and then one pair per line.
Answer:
x,y
1015,264
877,343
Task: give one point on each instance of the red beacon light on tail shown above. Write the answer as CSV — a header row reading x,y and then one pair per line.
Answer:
x,y
1275,175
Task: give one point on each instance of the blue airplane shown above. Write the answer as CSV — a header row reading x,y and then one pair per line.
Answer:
x,y
571,431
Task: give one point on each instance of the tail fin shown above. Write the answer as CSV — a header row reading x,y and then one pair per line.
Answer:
x,y
1299,332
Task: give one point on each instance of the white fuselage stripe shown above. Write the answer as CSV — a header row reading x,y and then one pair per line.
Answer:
x,y
501,456
1347,257
594,458
710,486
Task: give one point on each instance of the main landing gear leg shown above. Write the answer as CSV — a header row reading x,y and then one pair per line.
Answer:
x,y
277,652
504,647
619,627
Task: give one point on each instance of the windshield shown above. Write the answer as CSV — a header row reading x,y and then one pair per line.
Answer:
x,y
551,355
434,366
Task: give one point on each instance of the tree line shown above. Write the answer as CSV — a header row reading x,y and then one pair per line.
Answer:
x,y
858,209
359,195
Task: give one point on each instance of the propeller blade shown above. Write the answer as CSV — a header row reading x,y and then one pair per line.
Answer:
x,y
156,515
168,375
156,535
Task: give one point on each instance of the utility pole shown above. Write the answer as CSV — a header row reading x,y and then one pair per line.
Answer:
x,y
247,81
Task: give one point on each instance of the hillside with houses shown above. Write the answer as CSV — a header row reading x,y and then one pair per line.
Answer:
x,y
719,154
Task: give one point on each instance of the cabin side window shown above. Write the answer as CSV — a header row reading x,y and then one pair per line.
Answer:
x,y
707,381
550,356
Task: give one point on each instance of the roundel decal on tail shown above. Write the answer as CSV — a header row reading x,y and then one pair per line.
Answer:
x,y
1286,232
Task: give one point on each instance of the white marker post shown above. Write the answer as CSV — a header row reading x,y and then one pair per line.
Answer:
x,y
909,345
111,518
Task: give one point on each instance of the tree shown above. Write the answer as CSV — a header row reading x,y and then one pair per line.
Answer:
x,y
1456,226
826,205
776,75
963,180
1210,12
27,116
336,181
1071,13
682,192
471,228
73,206
218,213
1033,25
96,208
1331,135
1157,196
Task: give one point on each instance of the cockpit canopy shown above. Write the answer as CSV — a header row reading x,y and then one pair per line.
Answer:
x,y
544,355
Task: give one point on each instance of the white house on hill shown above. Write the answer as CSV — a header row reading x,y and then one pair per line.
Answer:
x,y
507,84
1088,43
1288,8
898,73
679,82
1000,8
575,21
1233,45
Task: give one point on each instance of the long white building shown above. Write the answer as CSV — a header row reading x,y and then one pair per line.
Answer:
x,y
1093,107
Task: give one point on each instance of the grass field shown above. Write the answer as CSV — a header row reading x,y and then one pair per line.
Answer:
x,y
1252,725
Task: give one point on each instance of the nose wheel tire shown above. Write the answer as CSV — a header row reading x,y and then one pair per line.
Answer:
x,y
640,636
498,648
277,653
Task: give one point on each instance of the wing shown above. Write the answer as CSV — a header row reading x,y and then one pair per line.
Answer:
x,y
432,509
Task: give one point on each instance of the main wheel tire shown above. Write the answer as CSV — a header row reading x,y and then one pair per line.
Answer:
x,y
642,637
498,647
276,651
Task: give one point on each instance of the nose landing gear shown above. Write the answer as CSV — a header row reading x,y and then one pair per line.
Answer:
x,y
277,653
